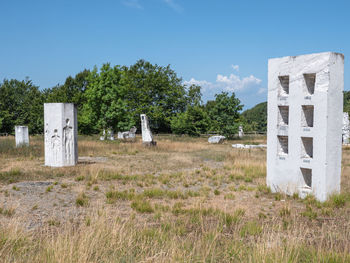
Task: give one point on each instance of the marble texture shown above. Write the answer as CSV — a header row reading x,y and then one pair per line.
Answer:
x,y
61,134
147,137
22,136
305,116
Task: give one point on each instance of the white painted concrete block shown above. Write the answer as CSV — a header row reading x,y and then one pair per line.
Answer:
x,y
61,134
22,136
147,137
305,106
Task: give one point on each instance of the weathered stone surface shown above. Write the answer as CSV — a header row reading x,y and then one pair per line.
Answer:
x,y
147,138
346,128
305,105
248,146
240,132
61,133
128,135
216,139
22,136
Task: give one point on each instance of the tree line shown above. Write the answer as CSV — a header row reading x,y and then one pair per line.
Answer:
x,y
115,96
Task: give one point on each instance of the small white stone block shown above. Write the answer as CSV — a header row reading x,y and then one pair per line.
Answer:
x,y
305,117
346,128
216,139
147,137
22,136
61,134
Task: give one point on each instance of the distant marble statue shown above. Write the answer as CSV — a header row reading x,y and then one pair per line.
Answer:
x,y
128,135
147,137
22,136
61,148
346,128
240,132
216,139
107,136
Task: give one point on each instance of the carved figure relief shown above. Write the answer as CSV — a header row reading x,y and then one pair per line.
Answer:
x,y
55,145
68,141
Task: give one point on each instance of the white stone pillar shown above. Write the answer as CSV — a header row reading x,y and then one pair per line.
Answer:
x,y
147,137
61,134
240,132
346,128
305,106
22,136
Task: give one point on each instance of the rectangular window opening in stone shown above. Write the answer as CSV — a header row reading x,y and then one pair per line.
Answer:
x,y
307,116
282,145
310,80
307,176
283,115
307,147
284,85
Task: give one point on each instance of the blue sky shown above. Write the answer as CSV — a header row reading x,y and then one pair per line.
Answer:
x,y
223,45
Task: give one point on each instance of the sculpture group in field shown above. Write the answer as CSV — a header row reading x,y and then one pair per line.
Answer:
x,y
306,126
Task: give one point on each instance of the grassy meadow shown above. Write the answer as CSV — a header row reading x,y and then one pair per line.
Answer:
x,y
182,201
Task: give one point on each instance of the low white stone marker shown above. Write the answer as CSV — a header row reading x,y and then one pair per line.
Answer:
x,y
248,146
346,128
216,139
305,116
22,136
128,135
61,133
147,138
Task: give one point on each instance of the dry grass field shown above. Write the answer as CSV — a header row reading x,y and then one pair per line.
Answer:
x,y
182,201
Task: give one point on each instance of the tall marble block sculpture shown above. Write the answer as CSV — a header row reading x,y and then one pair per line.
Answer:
x,y
346,128
22,136
305,116
61,148
147,137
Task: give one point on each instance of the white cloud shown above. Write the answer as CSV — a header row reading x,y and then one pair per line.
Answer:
x,y
172,4
226,83
235,67
132,3
262,90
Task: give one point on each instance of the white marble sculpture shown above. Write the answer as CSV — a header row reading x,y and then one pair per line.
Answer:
x,y
346,128
128,135
147,137
240,132
61,148
22,136
216,139
305,106
107,136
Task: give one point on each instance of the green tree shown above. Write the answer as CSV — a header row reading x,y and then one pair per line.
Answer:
x,y
256,117
105,106
194,121
21,104
224,114
157,92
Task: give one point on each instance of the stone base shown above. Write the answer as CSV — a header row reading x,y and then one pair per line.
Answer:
x,y
150,144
